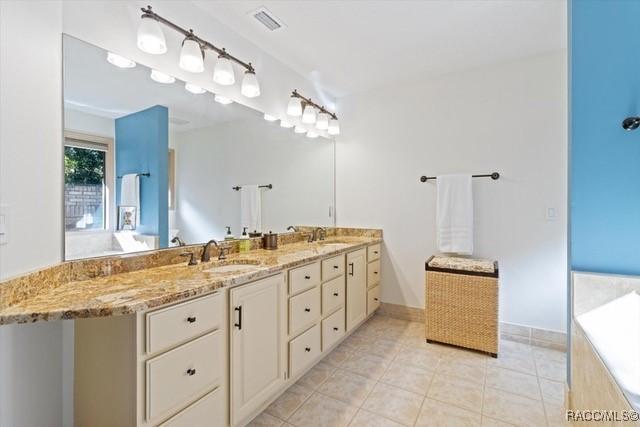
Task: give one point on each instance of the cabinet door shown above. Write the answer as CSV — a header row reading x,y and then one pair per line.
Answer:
x,y
356,288
257,338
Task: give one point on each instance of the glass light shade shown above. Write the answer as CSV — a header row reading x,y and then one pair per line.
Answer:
x,y
222,99
195,89
323,121
309,115
334,127
150,37
191,56
120,61
161,77
250,86
269,117
294,108
312,134
223,72
285,124
299,129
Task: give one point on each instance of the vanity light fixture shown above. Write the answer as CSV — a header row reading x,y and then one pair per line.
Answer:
x,y
120,61
222,99
312,134
151,40
285,124
299,129
161,77
313,113
195,89
269,117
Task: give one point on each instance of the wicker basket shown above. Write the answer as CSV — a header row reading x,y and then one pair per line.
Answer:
x,y
462,303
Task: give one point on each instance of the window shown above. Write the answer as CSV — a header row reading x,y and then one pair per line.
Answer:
x,y
87,182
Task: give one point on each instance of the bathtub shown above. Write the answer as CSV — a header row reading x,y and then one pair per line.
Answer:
x,y
613,330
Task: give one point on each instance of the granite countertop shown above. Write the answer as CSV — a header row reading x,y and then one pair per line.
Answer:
x,y
127,293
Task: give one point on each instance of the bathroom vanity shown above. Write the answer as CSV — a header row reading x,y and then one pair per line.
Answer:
x,y
211,344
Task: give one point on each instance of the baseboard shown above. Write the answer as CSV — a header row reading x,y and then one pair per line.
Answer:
x,y
508,331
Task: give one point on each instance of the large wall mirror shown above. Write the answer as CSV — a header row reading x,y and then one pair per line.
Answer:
x,y
149,165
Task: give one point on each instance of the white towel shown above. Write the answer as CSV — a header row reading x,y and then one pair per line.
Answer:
x,y
251,207
455,214
130,193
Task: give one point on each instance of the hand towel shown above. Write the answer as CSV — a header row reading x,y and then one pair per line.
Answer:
x,y
455,214
130,193
251,207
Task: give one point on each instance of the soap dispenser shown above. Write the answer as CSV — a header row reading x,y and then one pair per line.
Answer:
x,y
245,242
229,236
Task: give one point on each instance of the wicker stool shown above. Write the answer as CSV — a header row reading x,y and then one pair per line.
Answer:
x,y
462,303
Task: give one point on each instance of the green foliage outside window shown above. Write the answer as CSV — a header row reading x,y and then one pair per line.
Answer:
x,y
83,166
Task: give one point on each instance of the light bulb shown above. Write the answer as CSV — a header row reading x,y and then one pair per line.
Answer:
x,y
195,89
299,129
222,99
285,124
334,127
150,36
269,117
161,77
223,72
294,108
312,134
250,86
120,61
191,56
323,121
309,115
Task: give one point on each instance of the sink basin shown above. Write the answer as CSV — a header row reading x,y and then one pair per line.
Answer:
x,y
233,267
334,246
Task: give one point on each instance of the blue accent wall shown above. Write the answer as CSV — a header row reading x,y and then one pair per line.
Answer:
x,y
604,158
142,145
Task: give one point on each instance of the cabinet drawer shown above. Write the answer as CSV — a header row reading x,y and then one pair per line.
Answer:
x,y
304,277
304,310
206,412
332,329
304,350
332,267
373,273
176,378
373,252
373,299
173,325
332,295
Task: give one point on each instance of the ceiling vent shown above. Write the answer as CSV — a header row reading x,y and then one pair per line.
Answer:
x,y
268,19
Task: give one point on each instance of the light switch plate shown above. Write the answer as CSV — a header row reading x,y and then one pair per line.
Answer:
x,y
550,214
4,224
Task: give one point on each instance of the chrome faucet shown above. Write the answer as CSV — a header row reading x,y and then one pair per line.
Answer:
x,y
291,227
205,252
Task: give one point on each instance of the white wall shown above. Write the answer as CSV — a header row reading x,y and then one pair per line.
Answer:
x,y
210,161
80,121
509,118
30,183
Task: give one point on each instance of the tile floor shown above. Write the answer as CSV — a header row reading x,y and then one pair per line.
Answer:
x,y
386,375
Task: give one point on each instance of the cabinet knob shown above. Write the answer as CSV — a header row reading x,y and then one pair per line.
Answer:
x,y
335,294
336,267
191,372
335,329
375,252
307,349
307,309
191,319
375,299
307,277
375,272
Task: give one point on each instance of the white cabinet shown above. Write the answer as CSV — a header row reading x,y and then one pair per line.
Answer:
x,y
356,288
258,334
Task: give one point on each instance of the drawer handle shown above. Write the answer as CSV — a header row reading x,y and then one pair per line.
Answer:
x,y
191,372
191,319
335,329
335,294
307,277
307,309
307,349
239,324
351,267
336,267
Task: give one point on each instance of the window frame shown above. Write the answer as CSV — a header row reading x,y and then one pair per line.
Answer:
x,y
93,142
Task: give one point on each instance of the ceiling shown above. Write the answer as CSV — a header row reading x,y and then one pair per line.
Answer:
x,y
353,46
94,86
